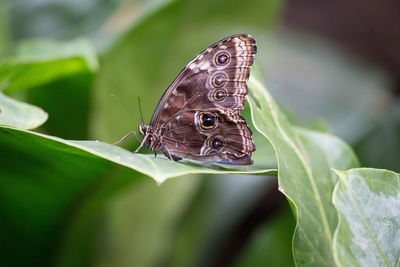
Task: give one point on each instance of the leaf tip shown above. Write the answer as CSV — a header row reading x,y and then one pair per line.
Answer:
x,y
337,172
160,182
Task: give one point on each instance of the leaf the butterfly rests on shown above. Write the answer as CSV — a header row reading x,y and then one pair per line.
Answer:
x,y
198,117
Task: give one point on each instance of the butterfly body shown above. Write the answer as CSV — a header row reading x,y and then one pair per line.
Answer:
x,y
198,117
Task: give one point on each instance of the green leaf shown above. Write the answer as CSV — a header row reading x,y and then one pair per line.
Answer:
x,y
39,61
159,168
368,203
40,189
20,115
304,160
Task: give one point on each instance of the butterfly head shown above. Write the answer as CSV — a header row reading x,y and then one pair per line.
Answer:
x,y
143,129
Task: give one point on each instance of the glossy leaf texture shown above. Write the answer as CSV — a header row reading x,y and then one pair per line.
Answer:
x,y
304,161
368,203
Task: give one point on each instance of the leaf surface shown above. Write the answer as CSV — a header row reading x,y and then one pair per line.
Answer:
x,y
304,161
368,203
159,168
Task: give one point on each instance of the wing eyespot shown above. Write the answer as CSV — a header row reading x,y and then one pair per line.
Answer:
x,y
219,94
216,143
207,120
219,80
222,58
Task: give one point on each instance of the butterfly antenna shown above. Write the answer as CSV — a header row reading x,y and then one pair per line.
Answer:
x,y
140,109
129,109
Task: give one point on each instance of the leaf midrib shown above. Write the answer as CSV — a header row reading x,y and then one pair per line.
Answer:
x,y
303,162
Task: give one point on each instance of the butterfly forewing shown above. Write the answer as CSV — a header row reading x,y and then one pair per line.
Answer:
x,y
202,79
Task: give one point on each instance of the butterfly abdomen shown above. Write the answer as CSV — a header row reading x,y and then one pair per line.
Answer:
x,y
154,142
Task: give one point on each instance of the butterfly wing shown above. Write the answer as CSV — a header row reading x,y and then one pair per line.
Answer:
x,y
214,82
225,140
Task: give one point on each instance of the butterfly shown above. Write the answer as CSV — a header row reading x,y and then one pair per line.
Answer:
x,y
198,116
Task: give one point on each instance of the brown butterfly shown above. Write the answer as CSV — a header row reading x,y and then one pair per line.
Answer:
x,y
198,116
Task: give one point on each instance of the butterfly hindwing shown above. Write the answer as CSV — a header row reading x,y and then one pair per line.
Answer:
x,y
209,136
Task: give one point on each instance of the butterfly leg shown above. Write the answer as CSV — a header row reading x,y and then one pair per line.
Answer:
x,y
171,157
175,158
125,136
